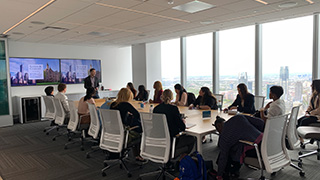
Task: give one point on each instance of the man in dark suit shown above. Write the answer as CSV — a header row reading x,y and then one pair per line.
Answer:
x,y
92,81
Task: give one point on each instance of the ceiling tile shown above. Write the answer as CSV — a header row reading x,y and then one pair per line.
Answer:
x,y
243,5
121,3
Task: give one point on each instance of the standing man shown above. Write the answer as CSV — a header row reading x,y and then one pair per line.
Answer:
x,y
92,81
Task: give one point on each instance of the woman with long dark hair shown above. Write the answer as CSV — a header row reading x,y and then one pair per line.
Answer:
x,y
182,96
244,101
83,108
143,94
313,111
205,100
132,89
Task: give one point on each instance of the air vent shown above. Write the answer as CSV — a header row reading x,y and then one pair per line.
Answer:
x,y
194,6
94,33
55,29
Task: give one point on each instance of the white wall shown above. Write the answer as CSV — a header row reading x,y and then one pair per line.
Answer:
x,y
153,54
116,63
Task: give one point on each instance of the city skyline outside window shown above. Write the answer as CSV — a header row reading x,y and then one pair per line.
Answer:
x,y
170,63
199,62
287,59
236,58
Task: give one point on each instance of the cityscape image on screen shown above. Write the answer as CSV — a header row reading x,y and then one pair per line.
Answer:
x,y
34,71
74,71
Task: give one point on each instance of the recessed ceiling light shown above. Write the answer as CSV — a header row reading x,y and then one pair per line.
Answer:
x,y
194,6
288,5
17,33
37,22
206,22
141,35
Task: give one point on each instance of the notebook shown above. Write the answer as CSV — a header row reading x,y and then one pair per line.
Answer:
x,y
189,125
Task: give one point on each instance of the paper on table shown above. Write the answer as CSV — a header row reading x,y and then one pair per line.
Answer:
x,y
189,125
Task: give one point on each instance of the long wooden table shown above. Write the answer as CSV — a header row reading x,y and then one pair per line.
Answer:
x,y
202,126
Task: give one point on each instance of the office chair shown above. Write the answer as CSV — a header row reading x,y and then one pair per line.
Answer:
x,y
50,113
273,150
156,142
94,129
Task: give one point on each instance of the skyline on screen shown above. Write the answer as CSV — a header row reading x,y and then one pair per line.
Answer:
x,y
34,71
74,71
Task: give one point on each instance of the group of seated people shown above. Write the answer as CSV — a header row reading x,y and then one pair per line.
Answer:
x,y
238,127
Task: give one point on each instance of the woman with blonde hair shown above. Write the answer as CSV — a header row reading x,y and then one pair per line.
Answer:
x,y
157,92
129,116
176,124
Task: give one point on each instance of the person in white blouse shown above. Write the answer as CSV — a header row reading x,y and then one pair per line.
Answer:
x,y
182,96
62,88
275,108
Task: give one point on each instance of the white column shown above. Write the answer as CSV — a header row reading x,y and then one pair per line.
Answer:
x,y
258,60
215,63
316,48
183,59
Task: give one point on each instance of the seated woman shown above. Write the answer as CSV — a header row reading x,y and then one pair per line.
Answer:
x,y
157,92
143,94
49,91
275,108
176,124
83,108
205,100
244,102
130,117
182,96
313,112
132,89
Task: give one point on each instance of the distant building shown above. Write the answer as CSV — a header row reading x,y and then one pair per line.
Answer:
x,y
268,90
250,86
50,75
243,78
284,80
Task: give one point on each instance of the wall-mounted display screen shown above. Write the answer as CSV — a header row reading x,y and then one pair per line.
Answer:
x,y
34,71
74,71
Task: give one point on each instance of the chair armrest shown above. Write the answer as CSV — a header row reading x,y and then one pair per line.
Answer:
x,y
173,147
247,142
181,133
132,128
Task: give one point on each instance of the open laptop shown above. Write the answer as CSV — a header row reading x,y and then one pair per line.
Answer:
x,y
206,115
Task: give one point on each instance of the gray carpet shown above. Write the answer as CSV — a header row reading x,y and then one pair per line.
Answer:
x,y
27,153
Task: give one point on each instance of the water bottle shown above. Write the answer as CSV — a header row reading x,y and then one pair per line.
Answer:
x,y
151,108
219,106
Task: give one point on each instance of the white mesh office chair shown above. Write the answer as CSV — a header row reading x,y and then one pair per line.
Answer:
x,y
50,113
73,124
156,142
60,117
113,137
273,150
259,102
94,128
310,132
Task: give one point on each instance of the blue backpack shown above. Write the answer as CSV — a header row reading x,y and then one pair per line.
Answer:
x,y
192,170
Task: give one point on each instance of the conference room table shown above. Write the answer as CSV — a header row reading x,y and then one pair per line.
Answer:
x,y
199,126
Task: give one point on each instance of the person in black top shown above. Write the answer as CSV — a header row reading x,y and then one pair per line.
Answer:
x,y
92,81
130,117
184,143
205,100
244,102
143,94
49,91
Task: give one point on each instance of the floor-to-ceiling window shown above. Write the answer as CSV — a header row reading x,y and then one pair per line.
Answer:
x,y
4,103
170,63
199,62
287,59
236,61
